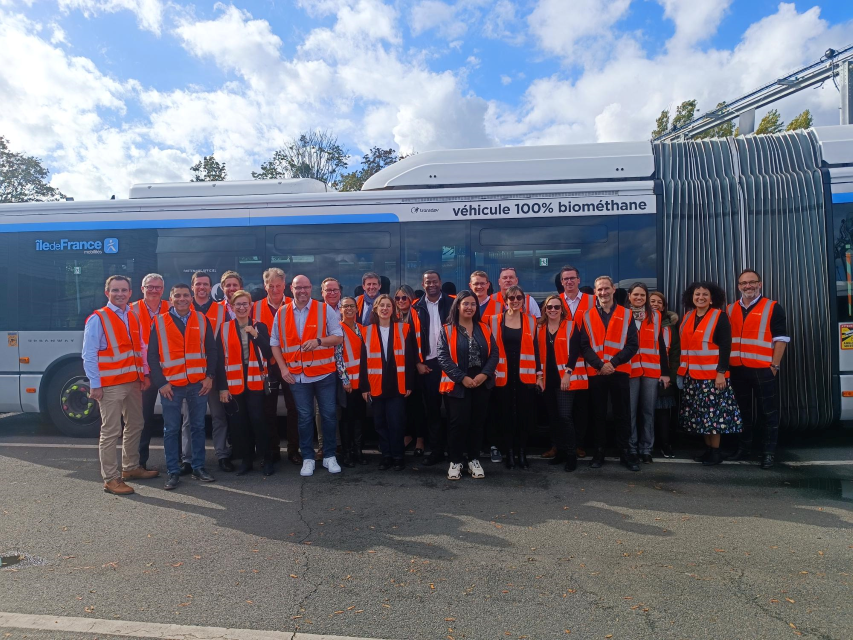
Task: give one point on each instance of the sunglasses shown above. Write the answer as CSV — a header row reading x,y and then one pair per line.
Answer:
x,y
553,307
514,298
347,306
401,298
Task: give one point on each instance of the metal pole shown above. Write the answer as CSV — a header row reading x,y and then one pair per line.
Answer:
x,y
846,85
746,122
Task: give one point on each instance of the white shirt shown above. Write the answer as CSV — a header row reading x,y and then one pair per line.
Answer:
x,y
383,335
573,303
533,307
435,325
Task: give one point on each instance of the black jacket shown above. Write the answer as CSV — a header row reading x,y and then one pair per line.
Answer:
x,y
158,380
444,304
457,371
262,342
390,388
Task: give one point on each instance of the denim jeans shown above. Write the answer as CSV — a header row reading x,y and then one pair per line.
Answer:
x,y
197,406
326,393
644,394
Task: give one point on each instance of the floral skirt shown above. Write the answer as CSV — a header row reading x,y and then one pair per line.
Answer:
x,y
708,410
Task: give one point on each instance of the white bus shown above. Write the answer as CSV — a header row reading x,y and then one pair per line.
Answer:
x,y
662,214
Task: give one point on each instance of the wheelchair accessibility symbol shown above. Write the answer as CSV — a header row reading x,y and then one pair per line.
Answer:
x,y
111,245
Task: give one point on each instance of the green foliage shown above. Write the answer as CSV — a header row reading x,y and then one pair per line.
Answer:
x,y
802,121
315,154
372,162
723,130
684,113
661,124
770,123
209,170
23,178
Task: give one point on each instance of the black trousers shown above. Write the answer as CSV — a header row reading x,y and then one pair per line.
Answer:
x,y
353,414
517,406
432,407
466,417
617,389
389,419
757,389
271,414
248,427
415,414
151,425
559,404
580,414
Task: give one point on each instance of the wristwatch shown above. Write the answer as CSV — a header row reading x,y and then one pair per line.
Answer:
x,y
319,342
775,367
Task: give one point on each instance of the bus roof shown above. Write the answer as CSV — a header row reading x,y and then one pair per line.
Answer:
x,y
227,188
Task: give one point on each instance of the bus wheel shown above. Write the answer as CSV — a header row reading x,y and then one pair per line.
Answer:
x,y
68,403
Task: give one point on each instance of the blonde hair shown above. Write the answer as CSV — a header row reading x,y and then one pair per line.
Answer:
x,y
240,293
563,315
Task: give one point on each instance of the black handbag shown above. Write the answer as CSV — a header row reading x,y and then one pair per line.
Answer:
x,y
265,374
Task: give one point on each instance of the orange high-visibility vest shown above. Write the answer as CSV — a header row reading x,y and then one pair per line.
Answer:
x,y
232,348
216,315
586,302
446,385
261,313
527,364
646,362
578,379
700,356
182,356
607,344
320,361
372,343
752,340
145,318
352,353
121,361
416,325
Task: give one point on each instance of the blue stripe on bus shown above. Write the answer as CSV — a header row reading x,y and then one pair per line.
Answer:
x,y
190,223
838,198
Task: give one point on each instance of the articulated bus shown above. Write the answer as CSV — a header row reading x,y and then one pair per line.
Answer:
x,y
663,213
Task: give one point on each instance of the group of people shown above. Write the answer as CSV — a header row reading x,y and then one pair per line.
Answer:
x,y
483,356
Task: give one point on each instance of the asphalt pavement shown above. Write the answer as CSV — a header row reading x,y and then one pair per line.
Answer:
x,y
675,551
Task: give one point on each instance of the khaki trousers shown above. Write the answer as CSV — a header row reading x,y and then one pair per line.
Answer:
x,y
120,401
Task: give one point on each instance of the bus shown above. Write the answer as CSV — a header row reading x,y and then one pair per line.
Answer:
x,y
663,213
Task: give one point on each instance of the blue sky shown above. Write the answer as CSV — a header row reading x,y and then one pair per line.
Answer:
x,y
115,92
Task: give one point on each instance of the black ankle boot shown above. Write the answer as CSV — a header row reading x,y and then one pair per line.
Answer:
x,y
703,456
571,462
509,459
560,458
522,459
714,457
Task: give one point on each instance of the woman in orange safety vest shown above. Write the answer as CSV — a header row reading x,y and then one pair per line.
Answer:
x,y
415,422
354,409
244,351
515,334
708,405
666,397
387,377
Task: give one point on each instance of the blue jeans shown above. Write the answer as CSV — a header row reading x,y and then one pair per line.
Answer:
x,y
197,406
644,393
325,391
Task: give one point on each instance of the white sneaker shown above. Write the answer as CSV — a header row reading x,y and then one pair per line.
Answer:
x,y
332,464
307,468
475,469
455,471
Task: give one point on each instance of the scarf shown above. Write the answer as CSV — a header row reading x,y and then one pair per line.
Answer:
x,y
639,313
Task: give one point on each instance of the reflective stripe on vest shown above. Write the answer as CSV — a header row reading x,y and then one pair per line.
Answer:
x,y
752,339
527,362
700,356
261,313
121,361
607,343
216,315
416,324
578,379
577,318
447,385
318,362
182,356
145,317
352,354
232,348
646,362
372,343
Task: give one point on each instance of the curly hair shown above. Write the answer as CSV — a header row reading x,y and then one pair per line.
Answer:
x,y
718,296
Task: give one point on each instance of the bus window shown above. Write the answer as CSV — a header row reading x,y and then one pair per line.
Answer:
x,y
344,252
842,214
638,253
61,275
441,246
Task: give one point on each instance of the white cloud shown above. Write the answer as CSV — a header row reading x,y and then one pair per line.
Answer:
x,y
57,34
695,20
505,80
502,23
432,14
149,13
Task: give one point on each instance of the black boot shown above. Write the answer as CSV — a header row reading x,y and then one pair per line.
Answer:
x,y
571,462
560,458
768,460
714,457
703,456
597,459
357,453
509,459
522,459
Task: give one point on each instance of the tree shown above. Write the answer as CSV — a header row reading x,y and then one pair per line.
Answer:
x,y
23,178
802,121
661,124
683,114
315,154
209,170
371,162
724,130
770,123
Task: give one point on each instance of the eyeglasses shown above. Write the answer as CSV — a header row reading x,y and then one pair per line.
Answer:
x,y
242,305
333,290
569,278
347,306
514,298
751,283
151,287
401,298
553,307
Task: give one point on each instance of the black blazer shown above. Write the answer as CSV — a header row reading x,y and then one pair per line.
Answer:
x,y
457,372
444,304
262,342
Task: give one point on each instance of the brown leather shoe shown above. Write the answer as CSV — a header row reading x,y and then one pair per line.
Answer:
x,y
139,474
581,452
550,453
318,456
118,487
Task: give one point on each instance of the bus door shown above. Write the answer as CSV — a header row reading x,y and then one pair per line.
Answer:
x,y
10,395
